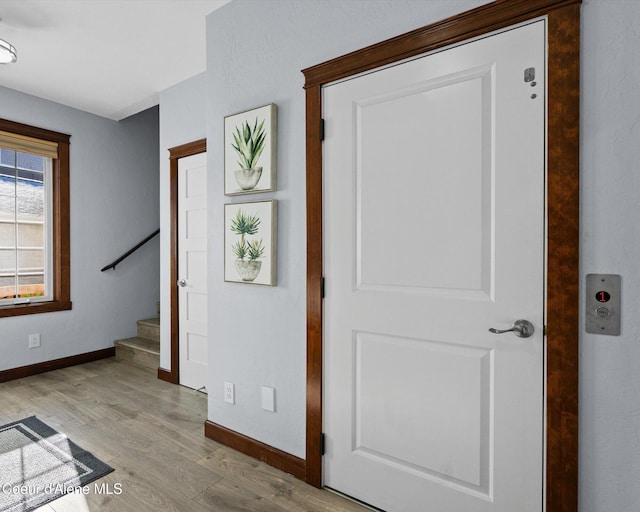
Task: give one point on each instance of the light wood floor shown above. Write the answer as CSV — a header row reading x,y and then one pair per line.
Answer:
x,y
151,432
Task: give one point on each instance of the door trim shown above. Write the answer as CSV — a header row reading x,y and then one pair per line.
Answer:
x,y
561,379
191,148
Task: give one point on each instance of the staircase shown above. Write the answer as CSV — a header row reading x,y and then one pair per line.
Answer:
x,y
142,350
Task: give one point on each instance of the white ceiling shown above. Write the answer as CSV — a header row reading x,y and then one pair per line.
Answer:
x,y
107,57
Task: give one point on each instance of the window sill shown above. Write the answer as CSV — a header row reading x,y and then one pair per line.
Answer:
x,y
33,309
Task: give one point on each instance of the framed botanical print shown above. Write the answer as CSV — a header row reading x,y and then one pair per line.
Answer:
x,y
250,151
250,242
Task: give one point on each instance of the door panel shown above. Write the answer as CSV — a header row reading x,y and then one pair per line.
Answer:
x,y
453,450
434,232
192,269
397,170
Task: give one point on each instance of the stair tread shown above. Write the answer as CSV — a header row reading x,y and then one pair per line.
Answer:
x,y
150,321
144,344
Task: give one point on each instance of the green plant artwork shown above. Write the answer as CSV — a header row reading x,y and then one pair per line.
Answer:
x,y
255,249
244,225
249,143
250,151
250,243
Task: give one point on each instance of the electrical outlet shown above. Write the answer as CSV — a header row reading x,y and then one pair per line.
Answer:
x,y
34,340
229,393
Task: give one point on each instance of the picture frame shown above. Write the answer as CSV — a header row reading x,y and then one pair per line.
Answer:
x,y
250,242
250,151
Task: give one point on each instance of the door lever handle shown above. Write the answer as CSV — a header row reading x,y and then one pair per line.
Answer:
x,y
521,328
182,283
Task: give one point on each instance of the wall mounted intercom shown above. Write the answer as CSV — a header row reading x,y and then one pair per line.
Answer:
x,y
603,304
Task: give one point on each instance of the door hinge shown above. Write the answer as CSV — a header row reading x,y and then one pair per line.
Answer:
x,y
322,288
321,129
322,443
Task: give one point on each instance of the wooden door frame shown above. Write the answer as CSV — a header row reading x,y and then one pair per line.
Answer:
x,y
562,209
176,153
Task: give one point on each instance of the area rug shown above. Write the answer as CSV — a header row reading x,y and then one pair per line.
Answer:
x,y
38,465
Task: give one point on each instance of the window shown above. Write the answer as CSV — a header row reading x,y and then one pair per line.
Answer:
x,y
25,227
34,220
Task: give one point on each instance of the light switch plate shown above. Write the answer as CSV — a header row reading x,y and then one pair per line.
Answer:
x,y
34,340
603,303
268,399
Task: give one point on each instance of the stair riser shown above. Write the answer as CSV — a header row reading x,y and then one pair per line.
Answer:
x,y
150,332
140,358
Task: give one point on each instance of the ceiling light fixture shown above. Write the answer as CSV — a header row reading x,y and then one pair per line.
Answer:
x,y
8,53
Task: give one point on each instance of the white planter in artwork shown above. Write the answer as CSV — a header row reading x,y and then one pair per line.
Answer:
x,y
248,178
248,269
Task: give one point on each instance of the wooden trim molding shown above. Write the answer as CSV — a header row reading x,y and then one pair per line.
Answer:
x,y
32,131
56,364
469,24
562,195
192,148
263,452
167,376
315,232
563,278
188,149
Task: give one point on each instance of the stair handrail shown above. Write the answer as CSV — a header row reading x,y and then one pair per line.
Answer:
x,y
130,251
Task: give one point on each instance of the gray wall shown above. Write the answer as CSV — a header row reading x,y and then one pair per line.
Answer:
x,y
259,60
114,204
610,243
258,334
182,120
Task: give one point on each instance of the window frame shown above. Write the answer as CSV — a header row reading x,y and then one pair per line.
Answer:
x,y
60,222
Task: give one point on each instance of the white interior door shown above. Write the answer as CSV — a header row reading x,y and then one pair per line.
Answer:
x,y
192,269
434,233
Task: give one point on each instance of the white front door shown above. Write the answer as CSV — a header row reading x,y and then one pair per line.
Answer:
x,y
434,233
192,269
